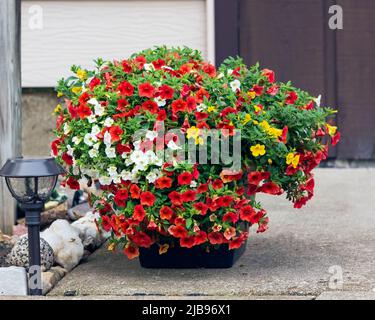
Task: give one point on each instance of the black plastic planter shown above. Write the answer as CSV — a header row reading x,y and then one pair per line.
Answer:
x,y
195,257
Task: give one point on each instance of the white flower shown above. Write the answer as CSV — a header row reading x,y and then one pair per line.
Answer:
x,y
105,181
151,156
116,178
318,100
110,152
75,169
126,175
83,182
89,139
70,150
66,128
107,139
137,145
166,67
235,85
149,67
99,110
193,184
77,140
112,171
137,156
96,145
160,102
172,145
93,153
220,75
229,72
151,177
91,118
151,135
108,122
95,130
201,107
93,101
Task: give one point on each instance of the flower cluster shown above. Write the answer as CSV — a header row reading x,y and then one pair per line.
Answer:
x,y
173,98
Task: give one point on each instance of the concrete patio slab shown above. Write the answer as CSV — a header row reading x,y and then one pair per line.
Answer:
x,y
327,246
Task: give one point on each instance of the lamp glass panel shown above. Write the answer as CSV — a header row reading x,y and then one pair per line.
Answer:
x,y
22,188
45,186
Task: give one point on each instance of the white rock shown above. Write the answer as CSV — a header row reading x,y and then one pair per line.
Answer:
x,y
65,242
13,281
88,230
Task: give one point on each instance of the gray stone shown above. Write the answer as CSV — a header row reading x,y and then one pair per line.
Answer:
x,y
346,295
301,254
13,281
19,256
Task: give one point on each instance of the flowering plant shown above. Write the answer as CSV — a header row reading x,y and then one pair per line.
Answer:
x,y
133,127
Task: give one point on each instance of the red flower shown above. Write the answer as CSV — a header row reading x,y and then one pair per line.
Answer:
x,y
150,106
67,158
126,66
229,233
271,188
201,207
257,89
166,213
191,104
236,243
185,178
187,242
209,69
247,213
142,239
162,115
284,134
123,148
166,92
200,238
125,88
72,183
147,199
216,238
93,83
291,97
256,177
269,74
202,188
131,251
139,213
146,90
135,191
230,217
158,64
335,139
273,90
217,184
120,197
200,94
55,146
178,106
263,225
140,61
178,231
121,104
115,132
163,183
106,223
226,201
188,195
83,110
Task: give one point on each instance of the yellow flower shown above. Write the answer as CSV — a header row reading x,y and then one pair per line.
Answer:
x,y
199,140
211,109
264,125
257,108
331,129
246,119
269,161
251,94
274,132
192,132
76,90
59,94
292,159
258,150
58,109
163,248
81,74
111,246
255,121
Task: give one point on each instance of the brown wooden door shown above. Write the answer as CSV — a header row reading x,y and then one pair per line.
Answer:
x,y
292,37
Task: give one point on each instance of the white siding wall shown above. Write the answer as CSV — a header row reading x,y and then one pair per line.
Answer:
x,y
76,32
